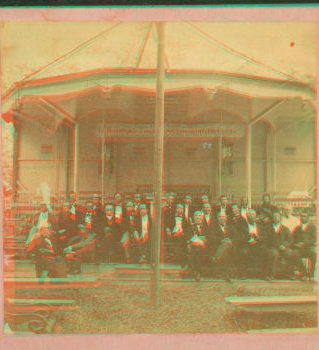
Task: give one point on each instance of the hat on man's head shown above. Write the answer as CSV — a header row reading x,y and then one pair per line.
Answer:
x,y
129,204
137,195
207,205
198,212
179,206
118,195
109,207
188,197
143,206
96,196
204,196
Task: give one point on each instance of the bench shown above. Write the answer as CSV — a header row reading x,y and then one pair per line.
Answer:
x,y
40,315
275,304
286,330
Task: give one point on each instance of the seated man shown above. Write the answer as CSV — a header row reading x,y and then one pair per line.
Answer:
x,y
305,242
279,241
197,243
43,246
80,247
289,220
109,239
43,219
244,207
222,243
176,232
118,209
142,236
253,245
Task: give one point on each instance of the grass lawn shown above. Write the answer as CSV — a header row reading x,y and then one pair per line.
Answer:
x,y
191,308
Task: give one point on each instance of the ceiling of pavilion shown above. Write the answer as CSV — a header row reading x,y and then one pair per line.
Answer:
x,y
114,73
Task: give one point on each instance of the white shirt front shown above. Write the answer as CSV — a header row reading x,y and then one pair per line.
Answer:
x,y
305,226
244,212
186,211
292,222
144,226
252,229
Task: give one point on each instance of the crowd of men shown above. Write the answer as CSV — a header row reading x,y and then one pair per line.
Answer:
x,y
217,233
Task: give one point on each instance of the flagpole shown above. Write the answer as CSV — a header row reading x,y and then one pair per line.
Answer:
x,y
159,156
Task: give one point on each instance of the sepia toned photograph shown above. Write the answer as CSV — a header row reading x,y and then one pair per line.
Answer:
x,y
159,177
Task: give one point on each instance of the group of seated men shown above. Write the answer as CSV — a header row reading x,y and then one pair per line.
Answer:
x,y
216,232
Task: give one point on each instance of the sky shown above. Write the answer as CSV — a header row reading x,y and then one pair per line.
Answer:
x,y
289,47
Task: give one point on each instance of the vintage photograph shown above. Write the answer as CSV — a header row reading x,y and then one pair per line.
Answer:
x,y
159,177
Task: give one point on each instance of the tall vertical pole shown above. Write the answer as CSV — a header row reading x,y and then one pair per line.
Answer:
x,y
274,164
67,133
15,161
248,161
159,156
220,156
76,151
103,159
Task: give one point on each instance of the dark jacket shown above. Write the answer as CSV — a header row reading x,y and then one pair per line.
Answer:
x,y
309,237
276,240
241,227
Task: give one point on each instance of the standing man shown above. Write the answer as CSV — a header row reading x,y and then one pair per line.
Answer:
x,y
128,228
267,204
188,212
305,238
223,207
137,203
209,221
169,217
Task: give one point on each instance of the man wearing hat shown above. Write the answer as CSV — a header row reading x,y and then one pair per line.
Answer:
x,y
198,238
142,236
244,207
305,238
79,247
109,240
222,243
97,207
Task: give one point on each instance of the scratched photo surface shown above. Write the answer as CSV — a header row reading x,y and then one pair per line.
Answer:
x,y
159,177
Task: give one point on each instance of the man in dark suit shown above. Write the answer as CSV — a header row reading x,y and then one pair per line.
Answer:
x,y
188,208
279,242
119,209
142,236
305,238
252,244
223,207
128,228
110,237
97,207
137,203
169,217
209,220
244,207
176,233
222,243
79,247
267,204
198,240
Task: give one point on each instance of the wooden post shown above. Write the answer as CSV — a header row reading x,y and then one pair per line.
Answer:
x,y
274,164
220,156
103,159
67,133
159,156
248,162
75,169
16,136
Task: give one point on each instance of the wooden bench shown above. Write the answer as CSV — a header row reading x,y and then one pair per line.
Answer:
x,y
40,315
275,304
286,330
